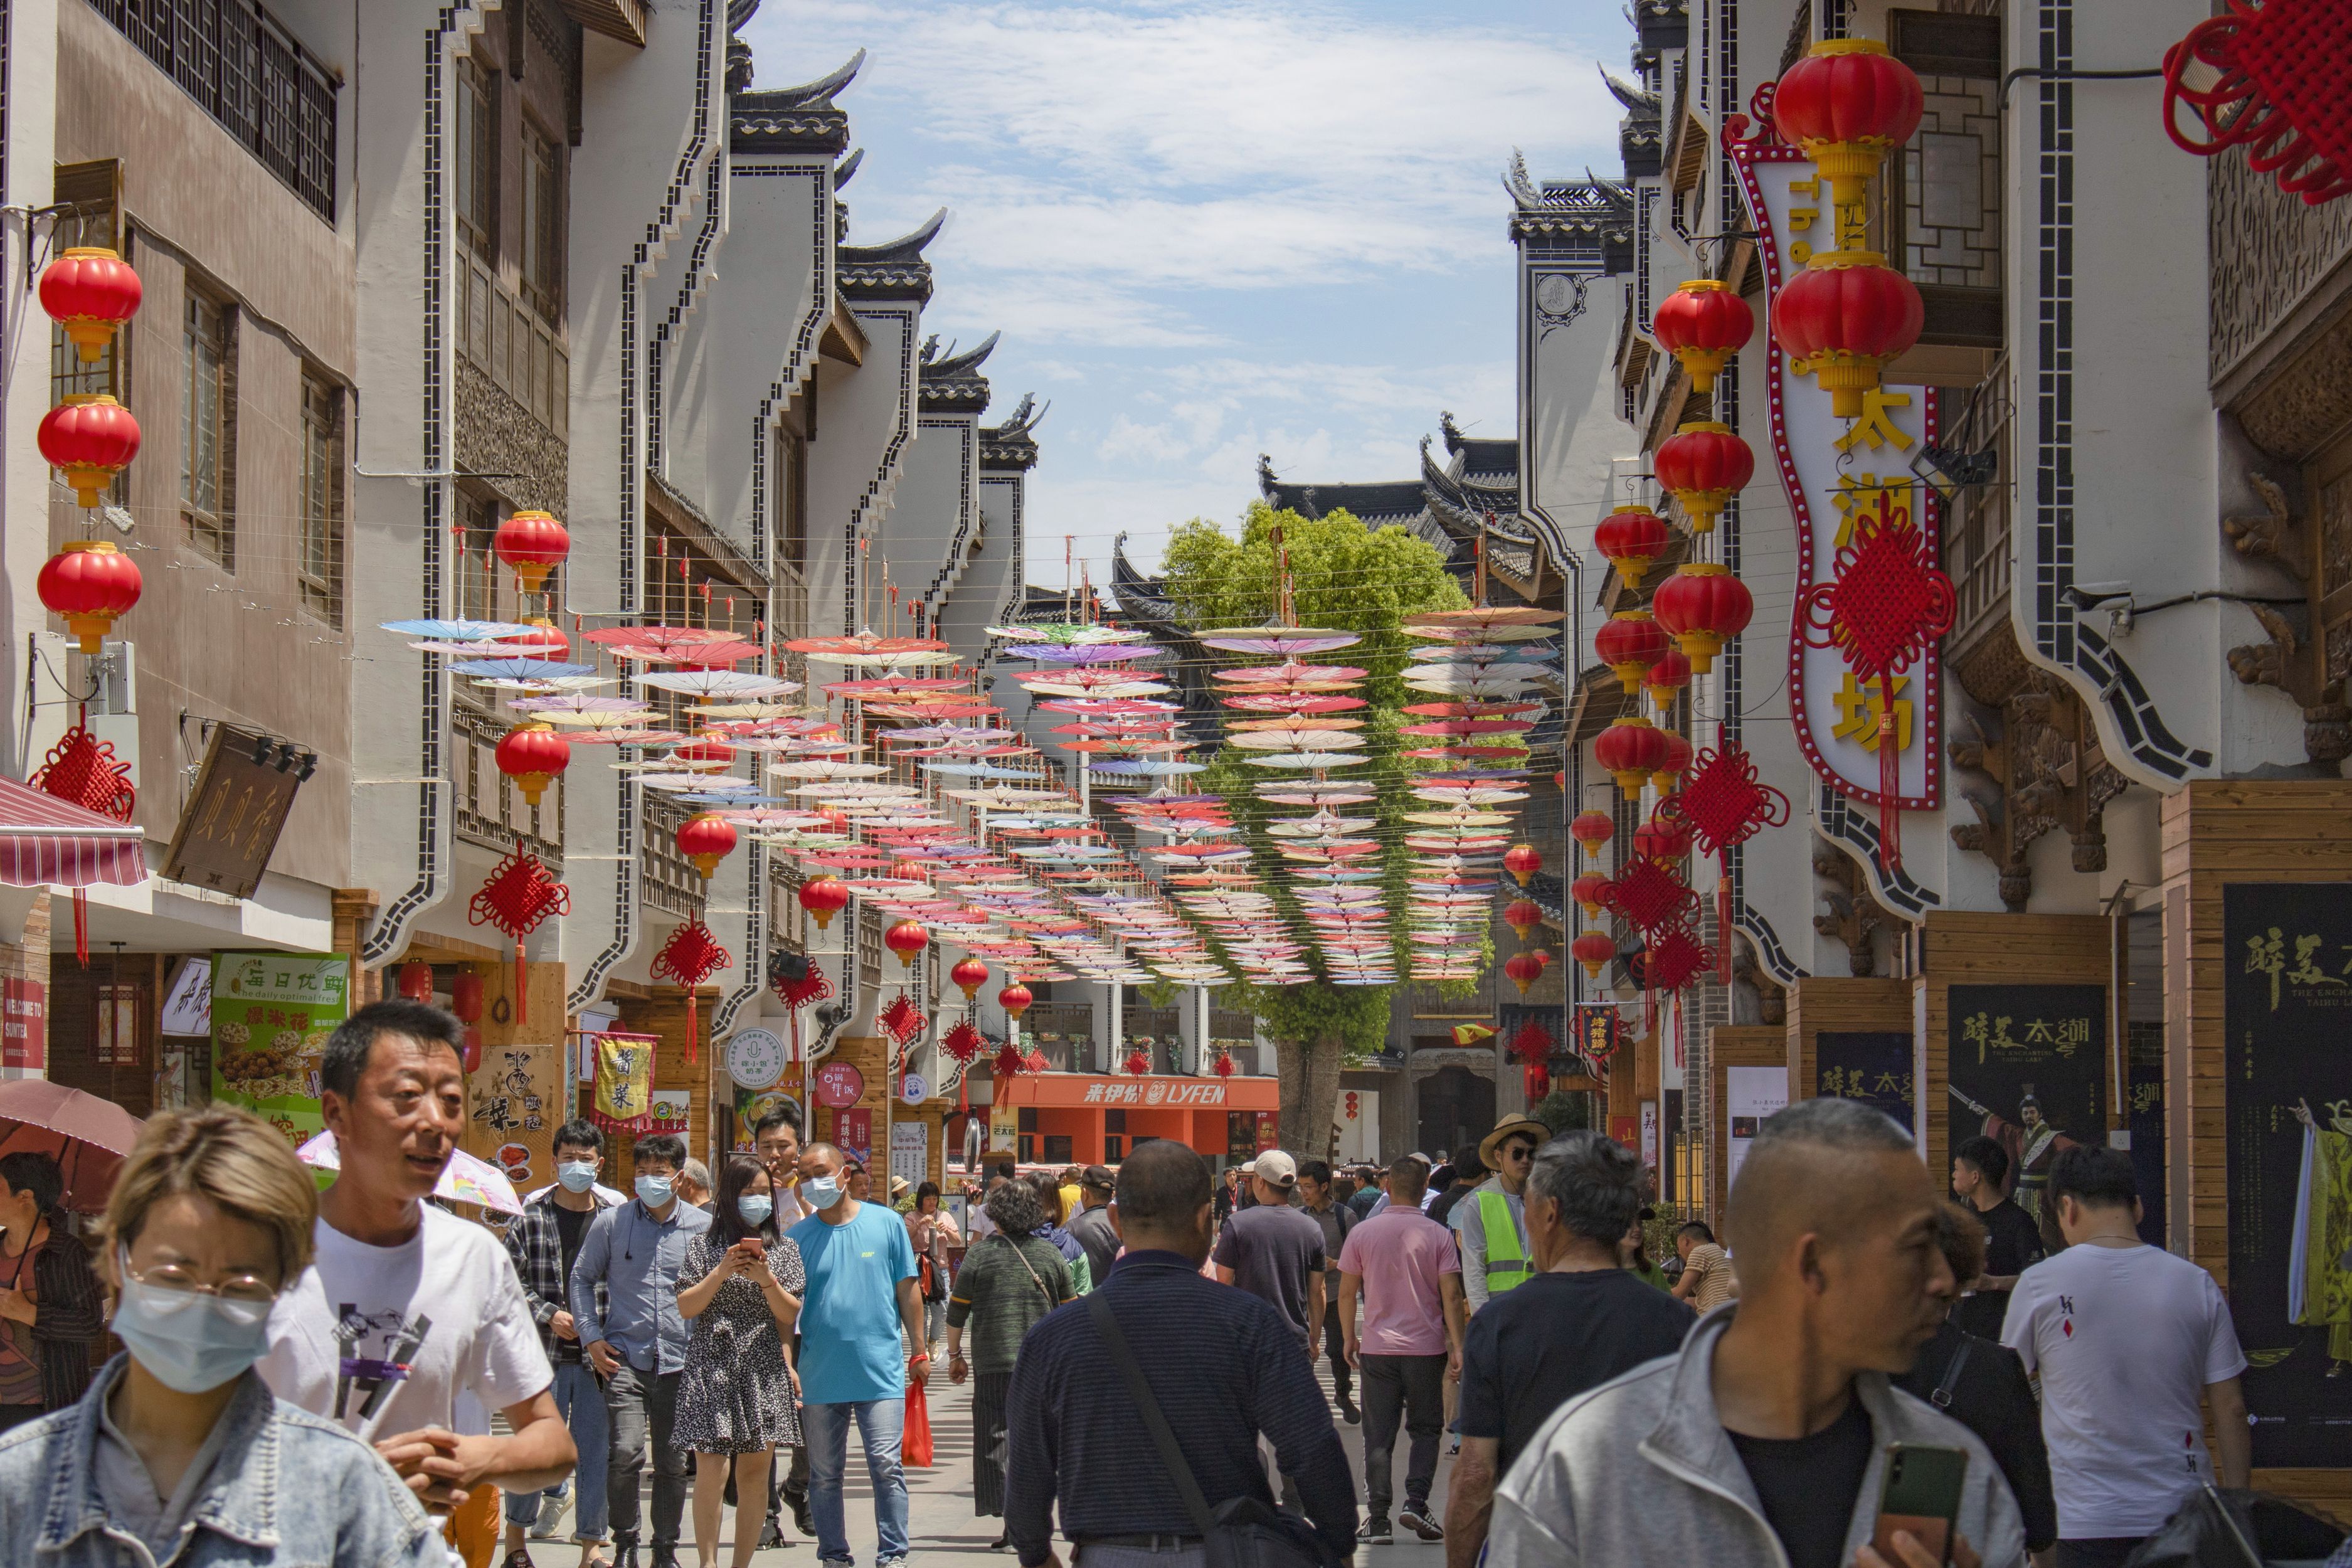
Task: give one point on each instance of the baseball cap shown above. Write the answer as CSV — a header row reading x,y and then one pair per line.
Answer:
x,y
1275,1167
1098,1178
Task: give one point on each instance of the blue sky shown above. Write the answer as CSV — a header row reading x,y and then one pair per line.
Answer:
x,y
1210,230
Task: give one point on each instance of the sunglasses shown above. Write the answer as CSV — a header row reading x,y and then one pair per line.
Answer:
x,y
1518,1150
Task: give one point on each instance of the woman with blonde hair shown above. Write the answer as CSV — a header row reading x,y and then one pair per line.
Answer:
x,y
179,1454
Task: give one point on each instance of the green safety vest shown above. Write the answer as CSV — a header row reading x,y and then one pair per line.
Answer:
x,y
1508,1264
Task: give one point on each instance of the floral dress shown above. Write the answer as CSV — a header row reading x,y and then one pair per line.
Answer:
x,y
735,1396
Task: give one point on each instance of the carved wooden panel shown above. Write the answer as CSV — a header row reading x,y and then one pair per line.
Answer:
x,y
2266,250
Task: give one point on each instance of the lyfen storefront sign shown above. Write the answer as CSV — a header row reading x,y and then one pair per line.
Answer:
x,y
1142,1093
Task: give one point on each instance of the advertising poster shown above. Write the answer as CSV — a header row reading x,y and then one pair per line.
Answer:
x,y
673,1109
910,1152
750,1105
514,1103
2287,1000
2029,1069
271,1015
1871,1066
1750,1095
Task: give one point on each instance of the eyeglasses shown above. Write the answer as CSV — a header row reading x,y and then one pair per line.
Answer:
x,y
246,1289
1518,1150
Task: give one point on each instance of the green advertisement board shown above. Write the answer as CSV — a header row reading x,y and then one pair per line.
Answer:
x,y
272,1013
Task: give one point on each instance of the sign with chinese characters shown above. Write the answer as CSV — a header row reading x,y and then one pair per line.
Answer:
x,y
1750,1095
2287,1092
914,1088
23,1023
514,1103
271,1015
910,1150
1837,470
1143,1093
672,1110
1650,1134
853,1130
244,789
188,1001
1596,1031
2027,1069
839,1084
756,1059
1871,1066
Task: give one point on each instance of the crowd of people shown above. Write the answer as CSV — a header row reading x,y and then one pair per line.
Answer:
x,y
359,1375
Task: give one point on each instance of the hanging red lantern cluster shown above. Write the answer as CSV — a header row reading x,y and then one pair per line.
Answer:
x,y
1631,749
1630,538
1524,969
1703,323
1846,105
1703,465
1843,319
1667,677
89,438
90,583
969,975
1704,606
1676,757
91,292
1593,829
1665,839
1523,916
1593,950
1588,891
2270,92
415,981
1523,861
690,956
533,756
520,894
1014,999
1629,643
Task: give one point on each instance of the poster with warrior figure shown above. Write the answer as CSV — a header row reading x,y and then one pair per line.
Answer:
x,y
2028,1069
2287,1000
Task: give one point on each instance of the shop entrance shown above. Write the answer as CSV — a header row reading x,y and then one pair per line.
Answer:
x,y
1458,1109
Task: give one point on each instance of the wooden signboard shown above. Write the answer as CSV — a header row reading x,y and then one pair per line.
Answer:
x,y
514,1103
234,816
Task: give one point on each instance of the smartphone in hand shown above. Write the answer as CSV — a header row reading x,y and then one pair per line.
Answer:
x,y
754,1246
1922,1496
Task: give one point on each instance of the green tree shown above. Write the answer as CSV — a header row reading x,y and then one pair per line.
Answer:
x,y
1348,577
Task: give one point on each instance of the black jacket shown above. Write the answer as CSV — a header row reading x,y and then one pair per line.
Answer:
x,y
1992,1399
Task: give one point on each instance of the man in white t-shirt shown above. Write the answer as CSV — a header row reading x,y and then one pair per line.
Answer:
x,y
2126,1340
407,1306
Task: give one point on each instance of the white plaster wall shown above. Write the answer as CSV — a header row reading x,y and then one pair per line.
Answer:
x,y
864,425
991,574
772,292
31,154
937,510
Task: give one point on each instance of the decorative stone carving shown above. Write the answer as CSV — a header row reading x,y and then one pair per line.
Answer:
x,y
1771,996
2309,669
1854,917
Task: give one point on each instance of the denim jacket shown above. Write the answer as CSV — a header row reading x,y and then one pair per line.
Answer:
x,y
288,1489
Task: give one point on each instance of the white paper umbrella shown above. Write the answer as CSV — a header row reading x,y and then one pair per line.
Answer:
x,y
1298,741
736,684
1308,760
825,768
458,630
1280,642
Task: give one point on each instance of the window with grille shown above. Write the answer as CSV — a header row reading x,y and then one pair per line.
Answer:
x,y
477,572
476,158
792,501
89,194
322,498
543,222
208,428
118,1026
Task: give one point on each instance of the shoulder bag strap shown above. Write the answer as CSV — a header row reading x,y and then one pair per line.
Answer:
x,y
1942,1396
1170,1456
1035,1278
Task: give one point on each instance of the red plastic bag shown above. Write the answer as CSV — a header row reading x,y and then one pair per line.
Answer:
x,y
915,1440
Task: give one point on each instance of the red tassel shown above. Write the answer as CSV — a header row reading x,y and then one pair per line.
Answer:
x,y
1723,921
81,927
1890,782
522,991
693,1029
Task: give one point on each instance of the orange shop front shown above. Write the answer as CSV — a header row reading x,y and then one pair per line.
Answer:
x,y
1085,1119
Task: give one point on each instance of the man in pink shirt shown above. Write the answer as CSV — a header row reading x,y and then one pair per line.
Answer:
x,y
1405,1268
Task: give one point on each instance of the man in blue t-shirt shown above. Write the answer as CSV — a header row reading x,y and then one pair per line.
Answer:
x,y
861,1293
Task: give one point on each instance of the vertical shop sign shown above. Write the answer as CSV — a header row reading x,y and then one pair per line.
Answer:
x,y
2287,1000
24,1024
1873,1066
271,1014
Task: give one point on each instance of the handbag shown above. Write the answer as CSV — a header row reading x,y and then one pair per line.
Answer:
x,y
915,1437
1242,1532
2217,1529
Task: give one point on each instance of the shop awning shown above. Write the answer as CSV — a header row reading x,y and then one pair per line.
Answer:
x,y
45,841
1087,1090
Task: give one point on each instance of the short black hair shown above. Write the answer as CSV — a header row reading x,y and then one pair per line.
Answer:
x,y
785,1114
1004,1168
354,1038
1596,1181
1161,1184
30,1171
1986,1155
1697,1227
1047,1187
667,1146
1469,1166
1315,1171
580,1133
2094,1176
1409,1178
928,1190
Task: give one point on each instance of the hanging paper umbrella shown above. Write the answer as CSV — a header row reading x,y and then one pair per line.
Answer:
x,y
1282,642
456,630
519,669
726,683
679,638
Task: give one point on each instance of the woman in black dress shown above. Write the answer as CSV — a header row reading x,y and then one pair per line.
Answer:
x,y
738,1397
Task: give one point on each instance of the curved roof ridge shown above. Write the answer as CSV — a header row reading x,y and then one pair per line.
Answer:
x,y
817,94
906,248
954,364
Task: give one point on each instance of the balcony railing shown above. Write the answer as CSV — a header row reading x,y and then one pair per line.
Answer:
x,y
491,811
1977,519
507,341
1064,1031
250,74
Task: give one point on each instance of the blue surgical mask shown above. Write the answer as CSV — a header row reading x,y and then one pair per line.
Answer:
x,y
577,1175
755,1207
190,1342
822,1192
653,1191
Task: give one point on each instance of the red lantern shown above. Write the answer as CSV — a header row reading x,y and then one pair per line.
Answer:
x,y
710,753
1525,969
465,996
542,641
92,438
1593,950
1668,676
1593,829
1631,750
1842,319
1014,999
533,754
89,291
907,939
469,1057
1537,1081
416,982
1587,891
534,545
1846,105
1703,323
1523,916
1629,642
1631,538
823,898
1523,861
1703,465
1665,839
969,974
1705,607
89,583
705,839
1678,758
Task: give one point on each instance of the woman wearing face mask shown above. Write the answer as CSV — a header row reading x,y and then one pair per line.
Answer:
x,y
178,1453
739,1288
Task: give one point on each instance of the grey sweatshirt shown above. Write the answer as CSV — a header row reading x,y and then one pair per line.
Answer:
x,y
1582,1493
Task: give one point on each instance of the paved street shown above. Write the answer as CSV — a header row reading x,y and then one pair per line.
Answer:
x,y
943,1522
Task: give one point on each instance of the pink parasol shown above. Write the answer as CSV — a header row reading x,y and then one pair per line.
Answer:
x,y
87,1136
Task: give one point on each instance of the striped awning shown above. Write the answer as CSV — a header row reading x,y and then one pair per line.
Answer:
x,y
45,841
